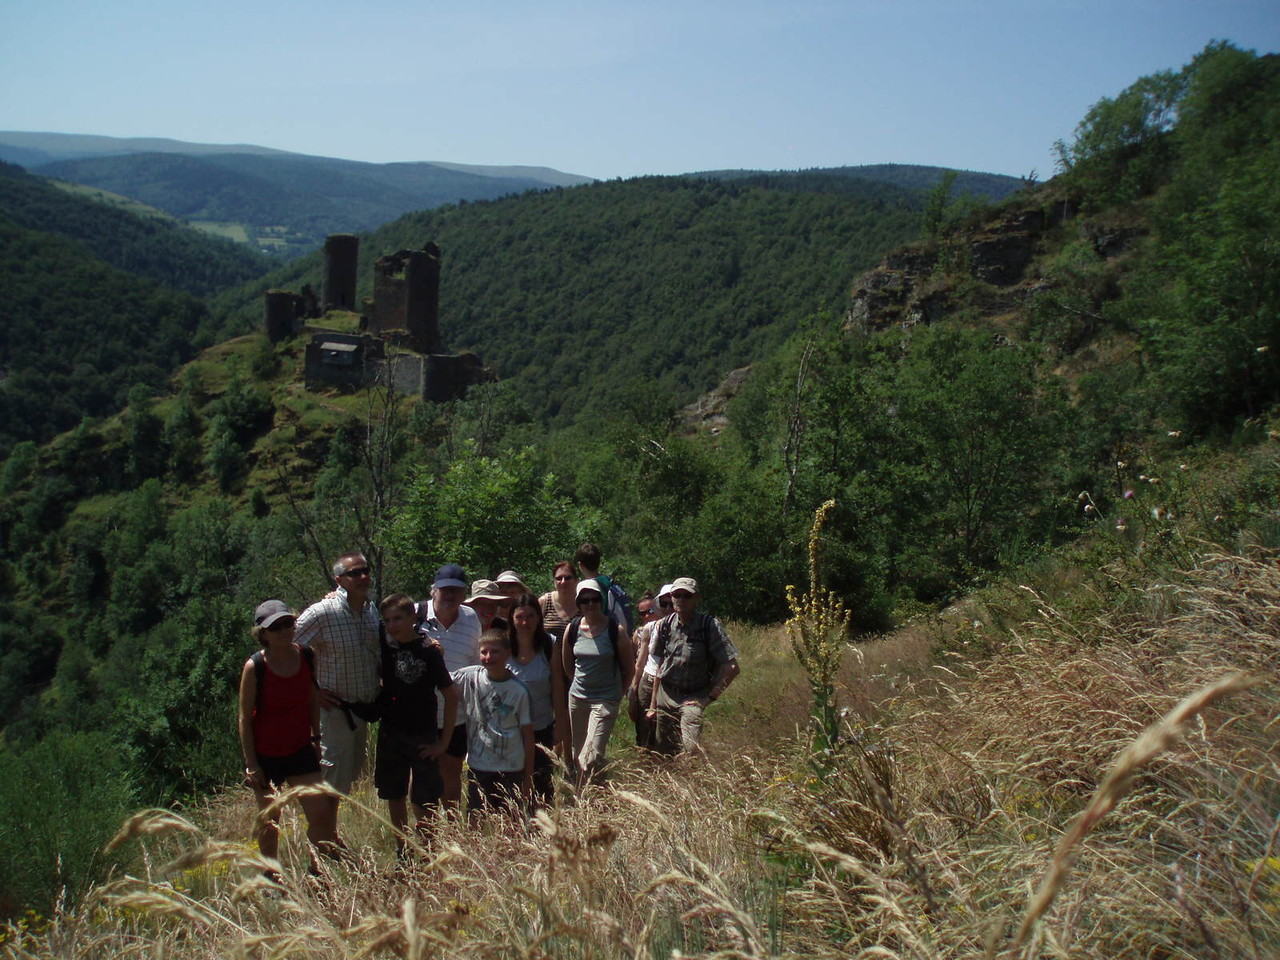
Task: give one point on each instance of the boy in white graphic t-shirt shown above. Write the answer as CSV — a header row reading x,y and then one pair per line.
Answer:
x,y
499,729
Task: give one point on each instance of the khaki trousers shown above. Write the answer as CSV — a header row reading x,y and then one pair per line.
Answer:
x,y
590,724
679,722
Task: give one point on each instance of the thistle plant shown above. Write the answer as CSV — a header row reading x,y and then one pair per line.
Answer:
x,y
817,628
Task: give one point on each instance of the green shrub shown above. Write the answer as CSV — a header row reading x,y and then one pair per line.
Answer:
x,y
61,800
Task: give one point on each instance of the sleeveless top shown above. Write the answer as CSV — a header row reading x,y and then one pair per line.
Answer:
x,y
595,667
536,675
552,622
282,719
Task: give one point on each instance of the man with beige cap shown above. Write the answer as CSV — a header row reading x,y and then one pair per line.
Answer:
x,y
697,662
488,601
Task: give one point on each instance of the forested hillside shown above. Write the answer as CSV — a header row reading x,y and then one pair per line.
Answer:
x,y
591,298
1121,377
98,301
283,197
159,250
909,176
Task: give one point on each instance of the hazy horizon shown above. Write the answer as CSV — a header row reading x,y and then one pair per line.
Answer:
x,y
609,90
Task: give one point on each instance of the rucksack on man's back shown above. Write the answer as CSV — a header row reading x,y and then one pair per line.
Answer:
x,y
616,599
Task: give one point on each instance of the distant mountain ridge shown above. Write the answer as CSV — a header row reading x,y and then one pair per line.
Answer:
x,y
909,176
42,147
281,201
287,202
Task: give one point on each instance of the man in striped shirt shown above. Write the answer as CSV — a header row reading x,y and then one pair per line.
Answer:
x,y
342,629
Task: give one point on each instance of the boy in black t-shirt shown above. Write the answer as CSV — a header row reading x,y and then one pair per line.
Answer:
x,y
409,742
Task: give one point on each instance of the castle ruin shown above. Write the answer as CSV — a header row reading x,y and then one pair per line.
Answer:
x,y
403,315
406,296
284,312
338,281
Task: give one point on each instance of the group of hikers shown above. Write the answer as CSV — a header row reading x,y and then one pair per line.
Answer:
x,y
485,673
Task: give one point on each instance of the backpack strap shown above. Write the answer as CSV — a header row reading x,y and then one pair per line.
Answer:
x,y
703,629
664,634
567,660
259,674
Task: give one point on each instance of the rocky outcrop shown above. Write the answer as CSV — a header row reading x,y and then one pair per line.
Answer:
x,y
707,413
1001,259
883,296
926,282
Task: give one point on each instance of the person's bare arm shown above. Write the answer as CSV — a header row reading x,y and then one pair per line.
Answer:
x,y
724,677
642,655
433,751
559,697
253,775
626,657
315,720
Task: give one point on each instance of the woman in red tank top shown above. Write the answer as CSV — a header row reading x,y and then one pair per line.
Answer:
x,y
280,728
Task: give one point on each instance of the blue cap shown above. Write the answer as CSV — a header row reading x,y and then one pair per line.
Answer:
x,y
450,575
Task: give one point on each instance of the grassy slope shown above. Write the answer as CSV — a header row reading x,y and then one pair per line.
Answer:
x,y
976,740
921,838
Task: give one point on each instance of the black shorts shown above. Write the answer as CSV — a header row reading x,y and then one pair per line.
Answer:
x,y
400,771
278,770
458,742
494,790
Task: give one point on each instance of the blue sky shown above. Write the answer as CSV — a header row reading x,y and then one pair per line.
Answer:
x,y
600,88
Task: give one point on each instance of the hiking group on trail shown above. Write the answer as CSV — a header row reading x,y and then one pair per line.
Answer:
x,y
483,673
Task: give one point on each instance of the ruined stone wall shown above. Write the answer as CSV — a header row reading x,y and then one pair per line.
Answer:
x,y
282,314
408,374
338,284
449,375
342,360
406,296
422,315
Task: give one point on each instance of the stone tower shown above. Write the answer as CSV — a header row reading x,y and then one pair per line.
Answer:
x,y
338,287
422,313
281,312
406,296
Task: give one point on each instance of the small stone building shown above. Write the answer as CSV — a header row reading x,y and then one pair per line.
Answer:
x,y
342,360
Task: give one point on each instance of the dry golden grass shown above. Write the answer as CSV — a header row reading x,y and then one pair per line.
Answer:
x,y
952,798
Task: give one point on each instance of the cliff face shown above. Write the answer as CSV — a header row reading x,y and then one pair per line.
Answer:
x,y
926,282
985,270
707,413
988,270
